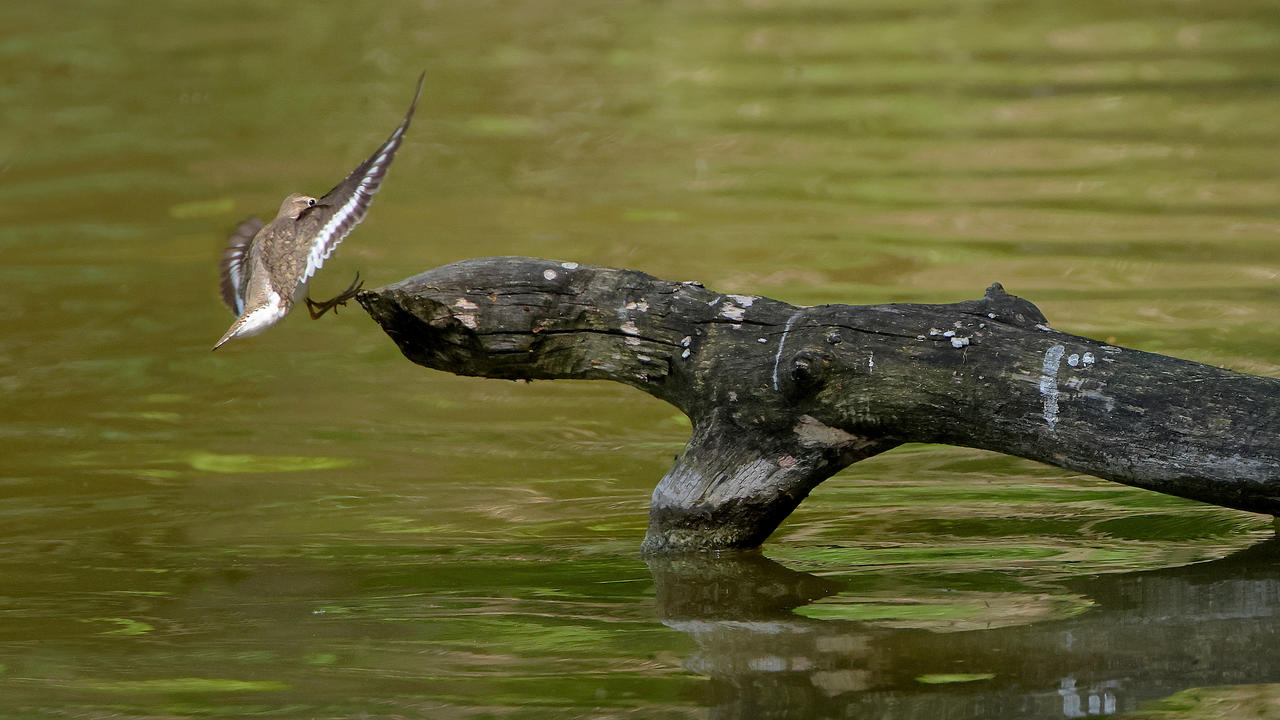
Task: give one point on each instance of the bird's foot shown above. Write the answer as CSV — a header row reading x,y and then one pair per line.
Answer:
x,y
320,308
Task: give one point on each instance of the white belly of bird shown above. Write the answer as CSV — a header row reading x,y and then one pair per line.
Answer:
x,y
263,317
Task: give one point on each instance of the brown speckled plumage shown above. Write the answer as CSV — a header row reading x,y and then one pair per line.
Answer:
x,y
265,269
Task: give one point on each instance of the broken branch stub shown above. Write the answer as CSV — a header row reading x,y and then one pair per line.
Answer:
x,y
782,397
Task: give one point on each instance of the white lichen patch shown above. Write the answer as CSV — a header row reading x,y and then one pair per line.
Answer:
x,y
465,304
1049,384
630,328
468,320
959,342
762,340
686,341
641,306
632,340
729,311
1091,390
991,315
569,265
782,343
934,331
685,354
1045,328
949,333
733,396
549,274
743,300
1082,361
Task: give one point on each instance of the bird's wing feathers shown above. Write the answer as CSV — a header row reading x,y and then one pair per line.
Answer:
x,y
342,208
232,268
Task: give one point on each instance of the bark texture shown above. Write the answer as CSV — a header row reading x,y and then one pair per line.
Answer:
x,y
782,397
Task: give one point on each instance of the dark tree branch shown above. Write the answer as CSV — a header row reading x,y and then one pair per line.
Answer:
x,y
782,397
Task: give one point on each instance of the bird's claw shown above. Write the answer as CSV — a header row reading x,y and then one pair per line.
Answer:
x,y
320,308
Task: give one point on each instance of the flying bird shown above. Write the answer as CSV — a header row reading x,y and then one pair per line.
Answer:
x,y
265,268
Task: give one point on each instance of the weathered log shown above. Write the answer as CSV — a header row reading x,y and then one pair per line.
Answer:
x,y
782,397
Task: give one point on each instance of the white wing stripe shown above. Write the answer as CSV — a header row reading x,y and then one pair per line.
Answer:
x,y
236,270
326,242
323,248
351,212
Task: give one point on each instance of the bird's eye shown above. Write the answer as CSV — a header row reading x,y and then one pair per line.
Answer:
x,y
311,202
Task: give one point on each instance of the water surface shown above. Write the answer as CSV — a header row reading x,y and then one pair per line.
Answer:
x,y
305,525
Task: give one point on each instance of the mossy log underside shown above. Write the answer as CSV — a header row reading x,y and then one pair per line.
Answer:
x,y
782,397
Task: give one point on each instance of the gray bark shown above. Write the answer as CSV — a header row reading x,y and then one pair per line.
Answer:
x,y
782,397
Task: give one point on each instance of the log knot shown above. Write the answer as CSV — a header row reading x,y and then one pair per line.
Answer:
x,y
808,371
996,304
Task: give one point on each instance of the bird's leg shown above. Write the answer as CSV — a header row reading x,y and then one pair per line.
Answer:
x,y
320,308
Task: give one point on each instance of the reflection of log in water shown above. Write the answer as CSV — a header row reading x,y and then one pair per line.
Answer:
x,y
782,397
1150,634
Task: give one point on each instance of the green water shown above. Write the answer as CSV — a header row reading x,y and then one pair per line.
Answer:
x,y
305,525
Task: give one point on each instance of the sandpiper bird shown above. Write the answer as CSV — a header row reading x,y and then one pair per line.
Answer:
x,y
265,269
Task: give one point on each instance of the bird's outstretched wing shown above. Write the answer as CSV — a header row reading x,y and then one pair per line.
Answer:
x,y
231,268
342,208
